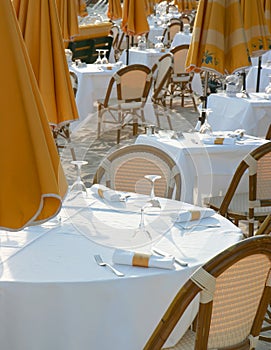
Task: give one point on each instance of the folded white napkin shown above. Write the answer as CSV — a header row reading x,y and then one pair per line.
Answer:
x,y
106,193
217,140
126,257
194,214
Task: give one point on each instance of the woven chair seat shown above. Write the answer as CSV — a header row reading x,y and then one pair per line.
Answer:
x,y
186,343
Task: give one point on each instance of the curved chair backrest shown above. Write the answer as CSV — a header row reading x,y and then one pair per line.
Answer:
x,y
258,165
125,168
172,30
234,290
74,81
179,57
268,134
161,75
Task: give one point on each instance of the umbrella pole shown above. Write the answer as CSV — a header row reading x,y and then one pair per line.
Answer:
x,y
202,116
259,73
127,50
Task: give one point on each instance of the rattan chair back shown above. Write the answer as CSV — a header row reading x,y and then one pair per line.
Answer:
x,y
125,168
255,204
181,81
234,290
133,85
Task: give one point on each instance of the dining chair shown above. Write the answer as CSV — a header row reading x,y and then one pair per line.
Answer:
x,y
115,33
181,81
161,72
63,131
231,309
268,134
133,84
124,170
254,204
171,30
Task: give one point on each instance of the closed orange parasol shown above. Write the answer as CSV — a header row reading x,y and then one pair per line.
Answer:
x,y
67,13
218,40
32,180
41,31
186,5
114,9
134,18
81,7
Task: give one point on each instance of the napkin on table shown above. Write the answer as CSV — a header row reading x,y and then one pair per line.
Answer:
x,y
194,214
106,193
126,257
217,140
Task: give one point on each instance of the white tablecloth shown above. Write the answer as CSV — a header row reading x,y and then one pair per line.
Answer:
x,y
54,296
181,39
147,57
230,113
251,78
93,81
206,169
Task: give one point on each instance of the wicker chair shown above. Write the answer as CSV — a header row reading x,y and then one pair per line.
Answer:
x,y
234,289
171,30
125,168
181,81
161,71
268,134
133,84
255,204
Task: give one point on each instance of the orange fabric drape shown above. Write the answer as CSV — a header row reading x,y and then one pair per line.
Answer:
x,y
134,18
46,51
32,180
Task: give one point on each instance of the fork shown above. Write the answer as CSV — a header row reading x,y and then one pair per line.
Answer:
x,y
100,262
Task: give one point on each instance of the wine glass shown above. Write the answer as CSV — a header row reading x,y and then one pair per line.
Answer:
x,y
99,60
152,179
159,45
206,127
78,187
104,59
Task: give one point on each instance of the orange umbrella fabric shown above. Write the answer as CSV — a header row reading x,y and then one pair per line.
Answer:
x,y
186,5
32,180
218,40
81,8
267,13
41,31
114,9
257,33
134,17
67,14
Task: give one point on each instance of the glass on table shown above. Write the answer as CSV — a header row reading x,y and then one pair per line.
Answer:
x,y
104,60
99,59
206,127
78,187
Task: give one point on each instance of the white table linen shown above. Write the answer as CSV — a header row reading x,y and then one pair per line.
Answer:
x,y
206,169
230,113
55,296
181,39
251,78
147,57
93,82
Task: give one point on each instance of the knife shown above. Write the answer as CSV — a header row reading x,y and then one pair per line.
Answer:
x,y
160,252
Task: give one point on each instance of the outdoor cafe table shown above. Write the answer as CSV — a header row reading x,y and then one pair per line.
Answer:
x,y
181,38
206,169
251,78
149,57
53,295
252,114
